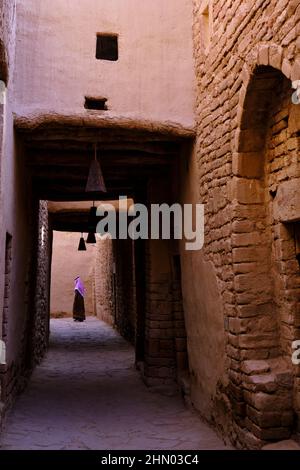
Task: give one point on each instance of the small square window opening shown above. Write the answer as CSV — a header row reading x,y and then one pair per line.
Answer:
x,y
95,103
107,47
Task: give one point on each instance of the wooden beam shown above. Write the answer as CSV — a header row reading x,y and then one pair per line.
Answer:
x,y
106,159
98,125
153,148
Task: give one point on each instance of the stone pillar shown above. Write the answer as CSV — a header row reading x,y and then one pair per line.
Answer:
x,y
125,310
104,281
160,358
165,337
179,320
140,283
42,294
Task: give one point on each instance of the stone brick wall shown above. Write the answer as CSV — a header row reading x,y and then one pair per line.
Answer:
x,y
125,304
165,334
166,358
42,294
34,331
179,320
160,359
19,343
282,168
115,296
247,144
104,281
7,285
5,315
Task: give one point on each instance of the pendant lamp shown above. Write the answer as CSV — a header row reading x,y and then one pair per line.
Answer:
x,y
92,220
81,246
91,239
95,183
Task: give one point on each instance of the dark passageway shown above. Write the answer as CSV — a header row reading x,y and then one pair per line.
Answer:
x,y
87,395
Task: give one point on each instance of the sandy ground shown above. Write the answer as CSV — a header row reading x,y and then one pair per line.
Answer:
x,y
87,395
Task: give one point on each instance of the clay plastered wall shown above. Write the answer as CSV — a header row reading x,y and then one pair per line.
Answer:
x,y
153,78
7,43
203,310
68,263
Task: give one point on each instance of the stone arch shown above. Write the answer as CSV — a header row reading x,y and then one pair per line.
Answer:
x,y
263,246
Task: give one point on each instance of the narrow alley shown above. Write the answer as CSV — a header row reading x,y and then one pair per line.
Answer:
x,y
149,182
86,394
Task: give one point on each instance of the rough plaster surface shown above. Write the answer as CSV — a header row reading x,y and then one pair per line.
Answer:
x,y
68,263
153,78
87,395
205,331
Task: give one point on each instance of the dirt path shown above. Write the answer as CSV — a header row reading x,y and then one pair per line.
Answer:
x,y
88,395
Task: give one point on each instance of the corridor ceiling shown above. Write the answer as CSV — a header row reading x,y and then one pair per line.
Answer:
x,y
58,151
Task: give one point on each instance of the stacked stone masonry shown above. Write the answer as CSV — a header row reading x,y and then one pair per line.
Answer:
x,y
105,281
42,308
225,320
247,150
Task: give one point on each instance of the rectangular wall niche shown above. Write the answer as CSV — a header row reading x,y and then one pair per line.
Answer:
x,y
95,103
107,47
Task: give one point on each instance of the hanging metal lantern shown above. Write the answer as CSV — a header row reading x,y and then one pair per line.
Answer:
x,y
81,246
95,183
91,239
92,220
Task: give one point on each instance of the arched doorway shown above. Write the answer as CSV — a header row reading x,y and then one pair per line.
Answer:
x,y
266,167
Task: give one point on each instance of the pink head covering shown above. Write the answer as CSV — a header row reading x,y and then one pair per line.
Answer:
x,y
79,286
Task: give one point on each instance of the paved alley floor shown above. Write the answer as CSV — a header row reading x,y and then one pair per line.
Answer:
x,y
87,395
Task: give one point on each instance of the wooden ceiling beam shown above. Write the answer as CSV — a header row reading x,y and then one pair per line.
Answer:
x,y
160,148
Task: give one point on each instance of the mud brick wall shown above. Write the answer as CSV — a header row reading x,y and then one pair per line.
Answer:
x,y
247,149
4,387
179,328
7,285
124,297
42,307
104,281
160,361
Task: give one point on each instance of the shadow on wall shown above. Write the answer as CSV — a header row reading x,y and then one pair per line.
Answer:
x,y
68,263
